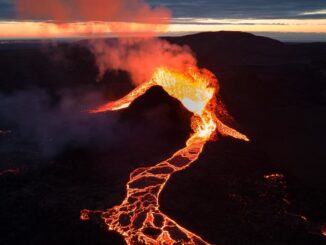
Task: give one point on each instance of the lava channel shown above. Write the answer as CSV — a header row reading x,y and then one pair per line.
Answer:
x,y
138,218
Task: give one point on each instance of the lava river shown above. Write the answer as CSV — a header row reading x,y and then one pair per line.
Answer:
x,y
138,218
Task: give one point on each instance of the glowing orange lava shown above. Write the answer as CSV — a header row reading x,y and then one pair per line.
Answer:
x,y
138,218
323,230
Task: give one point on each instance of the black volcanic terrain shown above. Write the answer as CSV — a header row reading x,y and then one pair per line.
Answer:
x,y
56,159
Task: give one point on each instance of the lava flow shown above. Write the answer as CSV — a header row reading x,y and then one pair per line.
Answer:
x,y
138,218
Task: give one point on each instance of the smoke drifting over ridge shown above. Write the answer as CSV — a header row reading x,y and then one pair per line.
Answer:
x,y
37,122
137,11
54,127
138,50
49,125
141,57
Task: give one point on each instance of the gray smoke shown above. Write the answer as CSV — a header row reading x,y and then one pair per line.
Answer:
x,y
51,123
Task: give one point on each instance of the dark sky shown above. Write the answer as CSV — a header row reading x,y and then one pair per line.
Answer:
x,y
275,9
244,8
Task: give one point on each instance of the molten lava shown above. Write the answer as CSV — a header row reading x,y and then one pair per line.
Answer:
x,y
138,218
323,230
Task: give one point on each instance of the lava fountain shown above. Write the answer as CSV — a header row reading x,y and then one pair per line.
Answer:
x,y
138,218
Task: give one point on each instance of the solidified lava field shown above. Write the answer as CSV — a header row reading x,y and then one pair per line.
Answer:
x,y
57,160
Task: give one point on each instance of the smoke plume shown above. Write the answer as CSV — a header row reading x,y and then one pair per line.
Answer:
x,y
128,13
141,57
136,24
46,124
136,50
39,122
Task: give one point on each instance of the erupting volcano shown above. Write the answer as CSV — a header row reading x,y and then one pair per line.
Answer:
x,y
138,218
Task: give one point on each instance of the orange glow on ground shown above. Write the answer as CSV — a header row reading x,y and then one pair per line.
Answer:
x,y
138,218
323,230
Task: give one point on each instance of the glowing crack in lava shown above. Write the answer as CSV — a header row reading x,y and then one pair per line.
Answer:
x,y
138,218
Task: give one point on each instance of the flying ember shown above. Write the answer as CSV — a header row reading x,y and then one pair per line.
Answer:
x,y
138,218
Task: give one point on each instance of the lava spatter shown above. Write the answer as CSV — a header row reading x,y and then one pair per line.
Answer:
x,y
138,218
